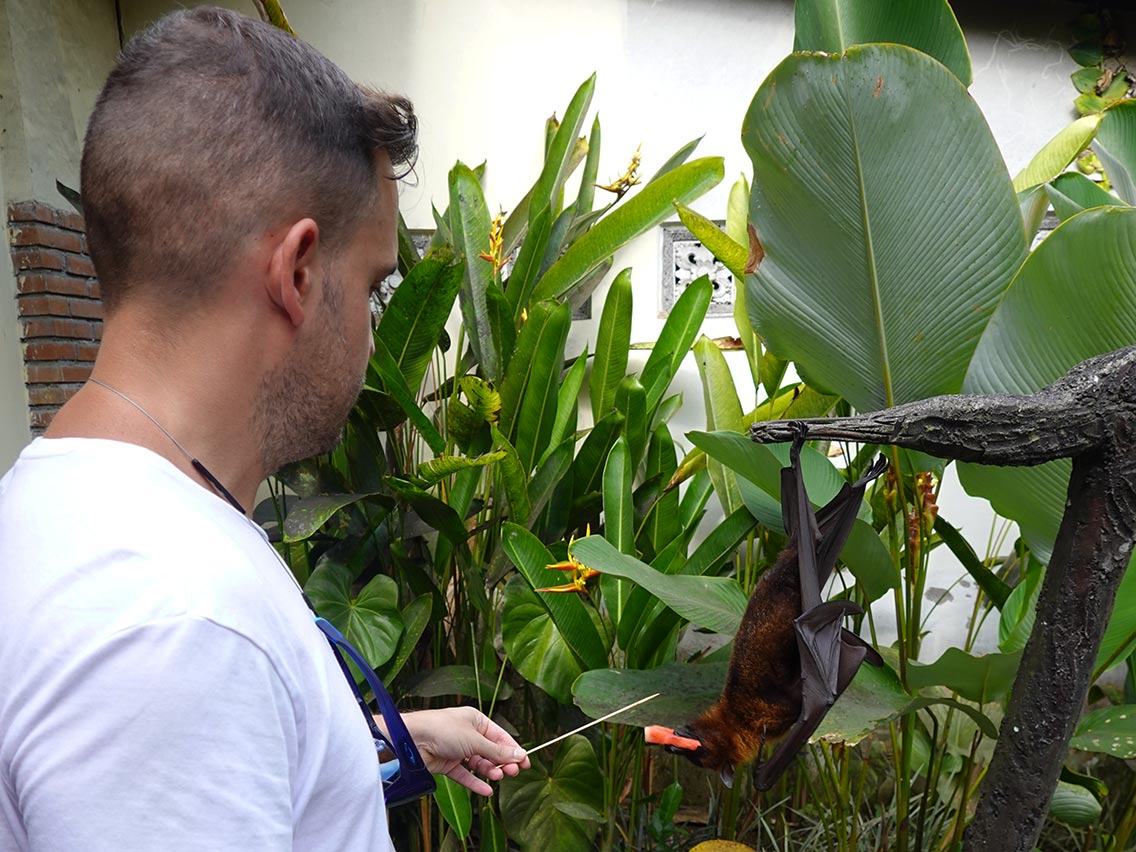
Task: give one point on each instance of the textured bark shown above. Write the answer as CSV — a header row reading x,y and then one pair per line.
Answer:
x,y
1090,416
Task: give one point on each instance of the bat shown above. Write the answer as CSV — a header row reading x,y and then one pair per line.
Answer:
x,y
792,656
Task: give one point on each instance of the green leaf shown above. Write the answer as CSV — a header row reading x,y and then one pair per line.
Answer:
x,y
585,198
619,524
1058,153
492,833
676,337
732,255
676,159
636,216
394,385
716,603
721,543
433,511
417,314
456,680
518,372
435,470
976,678
1120,636
415,619
840,148
588,468
1085,80
548,475
558,163
502,326
370,621
631,402
539,403
469,222
612,341
1038,333
567,401
1072,192
514,477
930,26
1110,730
1019,612
533,804
535,645
453,802
568,612
873,698
993,586
307,515
1074,805
527,266
685,691
723,413
1116,146
1087,53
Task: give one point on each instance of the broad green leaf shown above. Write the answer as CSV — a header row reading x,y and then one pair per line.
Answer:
x,y
535,645
453,802
394,385
1074,805
1110,730
518,372
926,25
676,159
1058,153
873,698
612,341
698,490
1115,144
469,223
1073,299
587,471
976,678
1072,192
636,216
370,620
733,255
415,619
676,337
435,470
558,162
619,524
484,401
456,680
723,413
417,314
548,475
721,543
685,691
850,147
502,326
631,401
539,403
585,198
492,833
307,515
433,511
660,525
1020,610
1034,204
993,586
408,256
533,803
1085,79
716,603
513,476
527,266
1120,636
737,222
567,610
567,401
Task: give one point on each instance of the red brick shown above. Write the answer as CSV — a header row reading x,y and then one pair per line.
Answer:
x,y
41,235
44,374
78,264
51,350
37,259
86,351
31,211
72,221
51,394
86,309
51,282
43,306
41,418
58,327
75,372
94,290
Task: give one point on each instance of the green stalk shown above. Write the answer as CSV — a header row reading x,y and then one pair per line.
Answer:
x,y
729,820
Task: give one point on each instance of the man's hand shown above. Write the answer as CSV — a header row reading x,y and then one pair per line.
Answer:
x,y
459,741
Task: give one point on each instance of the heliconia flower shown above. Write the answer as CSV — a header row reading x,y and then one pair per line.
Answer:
x,y
581,573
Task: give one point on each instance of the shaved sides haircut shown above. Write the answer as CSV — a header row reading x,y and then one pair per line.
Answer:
x,y
214,128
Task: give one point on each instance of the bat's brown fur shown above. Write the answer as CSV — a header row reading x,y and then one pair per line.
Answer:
x,y
762,696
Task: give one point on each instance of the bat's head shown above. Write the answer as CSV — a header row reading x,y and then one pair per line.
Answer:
x,y
704,742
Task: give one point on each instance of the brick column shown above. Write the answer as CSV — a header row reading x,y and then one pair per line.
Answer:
x,y
58,304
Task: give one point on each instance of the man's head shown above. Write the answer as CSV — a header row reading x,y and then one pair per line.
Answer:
x,y
212,129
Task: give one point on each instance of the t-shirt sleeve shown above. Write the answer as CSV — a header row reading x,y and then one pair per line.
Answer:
x,y
174,735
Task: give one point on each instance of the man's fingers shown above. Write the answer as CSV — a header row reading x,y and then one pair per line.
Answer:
x,y
470,781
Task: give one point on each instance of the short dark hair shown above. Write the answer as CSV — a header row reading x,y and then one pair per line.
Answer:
x,y
214,125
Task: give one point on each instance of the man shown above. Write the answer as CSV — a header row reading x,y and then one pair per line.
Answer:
x,y
164,685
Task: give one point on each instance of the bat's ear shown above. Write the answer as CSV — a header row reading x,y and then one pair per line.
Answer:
x,y
726,773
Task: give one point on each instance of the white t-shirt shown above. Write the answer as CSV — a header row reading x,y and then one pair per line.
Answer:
x,y
163,686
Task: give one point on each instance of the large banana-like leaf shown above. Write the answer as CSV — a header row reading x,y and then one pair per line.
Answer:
x,y
1074,298
1116,145
886,251
1058,153
927,25
612,342
469,223
723,413
1072,192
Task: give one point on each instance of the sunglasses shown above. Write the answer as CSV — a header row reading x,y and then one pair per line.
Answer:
x,y
405,777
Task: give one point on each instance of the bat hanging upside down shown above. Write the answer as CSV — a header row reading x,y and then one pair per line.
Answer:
x,y
792,656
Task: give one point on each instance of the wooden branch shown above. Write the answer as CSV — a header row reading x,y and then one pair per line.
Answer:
x,y
1089,415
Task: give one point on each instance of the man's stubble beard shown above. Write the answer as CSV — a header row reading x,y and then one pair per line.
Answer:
x,y
302,407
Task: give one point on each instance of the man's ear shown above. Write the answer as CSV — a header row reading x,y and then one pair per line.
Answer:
x,y
290,270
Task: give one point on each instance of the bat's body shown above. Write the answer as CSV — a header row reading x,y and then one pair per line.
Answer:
x,y
792,657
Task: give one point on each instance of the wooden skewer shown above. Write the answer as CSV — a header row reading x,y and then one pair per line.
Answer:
x,y
590,724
